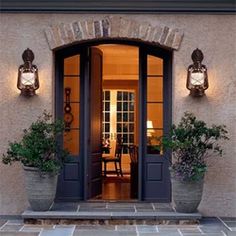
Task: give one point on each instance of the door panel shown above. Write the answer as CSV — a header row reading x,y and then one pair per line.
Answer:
x,y
95,152
156,177
69,180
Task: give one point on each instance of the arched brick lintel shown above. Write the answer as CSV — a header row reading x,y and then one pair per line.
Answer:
x,y
112,28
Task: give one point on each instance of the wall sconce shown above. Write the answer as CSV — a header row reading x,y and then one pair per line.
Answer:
x,y
28,80
197,81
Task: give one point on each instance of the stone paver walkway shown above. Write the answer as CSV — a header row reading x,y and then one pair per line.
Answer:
x,y
207,226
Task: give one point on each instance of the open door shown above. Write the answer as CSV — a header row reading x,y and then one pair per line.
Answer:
x,y
95,139
68,94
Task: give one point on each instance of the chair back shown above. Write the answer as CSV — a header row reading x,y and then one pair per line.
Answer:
x,y
133,152
119,149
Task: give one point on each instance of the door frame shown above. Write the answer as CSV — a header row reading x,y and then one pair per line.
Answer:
x,y
83,50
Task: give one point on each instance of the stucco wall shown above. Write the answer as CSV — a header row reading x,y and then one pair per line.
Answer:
x,y
213,34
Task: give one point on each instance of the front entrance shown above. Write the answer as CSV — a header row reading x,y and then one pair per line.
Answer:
x,y
115,101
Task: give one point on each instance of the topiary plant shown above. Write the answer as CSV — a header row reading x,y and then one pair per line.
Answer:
x,y
191,142
39,146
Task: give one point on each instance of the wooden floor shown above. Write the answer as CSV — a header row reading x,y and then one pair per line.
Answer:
x,y
116,188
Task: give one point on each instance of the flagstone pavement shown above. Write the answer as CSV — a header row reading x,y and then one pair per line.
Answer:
x,y
208,226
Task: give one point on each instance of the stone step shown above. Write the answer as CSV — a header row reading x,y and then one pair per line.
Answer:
x,y
110,213
83,217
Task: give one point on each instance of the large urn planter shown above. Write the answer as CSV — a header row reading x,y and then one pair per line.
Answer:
x,y
186,195
42,157
40,188
191,141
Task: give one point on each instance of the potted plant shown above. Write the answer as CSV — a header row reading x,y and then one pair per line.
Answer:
x,y
41,157
191,142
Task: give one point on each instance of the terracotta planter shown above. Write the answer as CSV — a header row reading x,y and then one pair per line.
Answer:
x,y
40,188
186,195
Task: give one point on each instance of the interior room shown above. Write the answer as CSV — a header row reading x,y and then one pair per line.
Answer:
x,y
120,112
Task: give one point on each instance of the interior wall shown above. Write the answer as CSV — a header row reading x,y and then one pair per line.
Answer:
x,y
213,34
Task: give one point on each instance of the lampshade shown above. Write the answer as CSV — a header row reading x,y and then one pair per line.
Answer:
x,y
150,129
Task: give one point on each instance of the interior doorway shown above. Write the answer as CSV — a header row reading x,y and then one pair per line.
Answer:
x,y
115,102
119,111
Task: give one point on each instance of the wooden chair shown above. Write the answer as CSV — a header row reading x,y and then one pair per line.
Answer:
x,y
116,159
133,152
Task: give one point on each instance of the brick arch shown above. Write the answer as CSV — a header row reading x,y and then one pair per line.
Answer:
x,y
112,28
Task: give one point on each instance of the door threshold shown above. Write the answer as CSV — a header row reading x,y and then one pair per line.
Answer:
x,y
114,201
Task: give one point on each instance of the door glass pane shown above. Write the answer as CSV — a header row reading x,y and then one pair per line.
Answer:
x,y
125,106
119,96
125,116
153,140
154,122
72,65
155,115
71,141
119,106
74,84
155,65
119,116
107,95
75,112
131,127
131,117
107,117
131,106
107,106
71,107
155,89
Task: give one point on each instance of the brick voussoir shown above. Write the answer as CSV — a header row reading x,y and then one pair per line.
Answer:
x,y
112,27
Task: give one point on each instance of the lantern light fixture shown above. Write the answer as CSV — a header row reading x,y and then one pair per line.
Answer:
x,y
197,79
28,81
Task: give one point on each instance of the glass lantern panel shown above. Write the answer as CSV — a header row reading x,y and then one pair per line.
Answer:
x,y
27,78
197,78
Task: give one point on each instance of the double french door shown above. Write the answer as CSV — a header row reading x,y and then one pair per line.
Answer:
x,y
80,102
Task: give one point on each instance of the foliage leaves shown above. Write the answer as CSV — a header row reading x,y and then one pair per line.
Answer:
x,y
191,142
39,146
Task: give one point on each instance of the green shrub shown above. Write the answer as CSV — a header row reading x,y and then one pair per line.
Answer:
x,y
39,146
191,142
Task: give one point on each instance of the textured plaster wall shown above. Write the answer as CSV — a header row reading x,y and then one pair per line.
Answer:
x,y
213,34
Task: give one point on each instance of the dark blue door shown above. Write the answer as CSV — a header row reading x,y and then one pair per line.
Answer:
x,y
156,117
68,94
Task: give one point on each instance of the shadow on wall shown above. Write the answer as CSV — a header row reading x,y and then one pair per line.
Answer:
x,y
12,195
19,112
